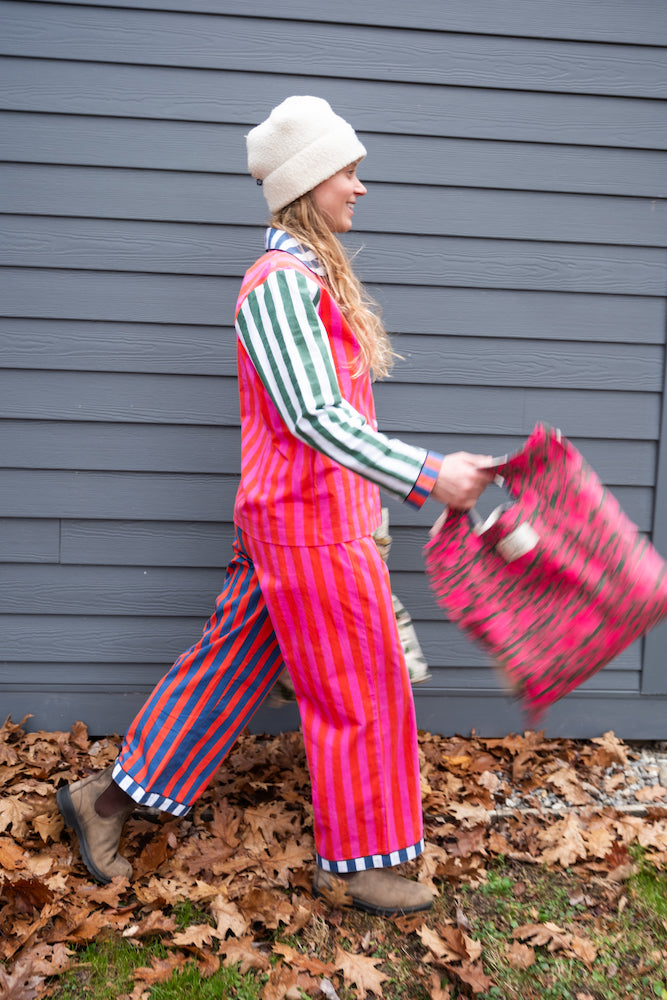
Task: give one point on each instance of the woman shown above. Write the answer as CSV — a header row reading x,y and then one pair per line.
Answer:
x,y
306,586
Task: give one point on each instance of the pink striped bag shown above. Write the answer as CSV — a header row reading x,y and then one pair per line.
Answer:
x,y
555,583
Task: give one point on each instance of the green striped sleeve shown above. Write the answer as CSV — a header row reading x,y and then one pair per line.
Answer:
x,y
279,327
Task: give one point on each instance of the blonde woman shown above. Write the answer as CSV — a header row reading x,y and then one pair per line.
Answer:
x,y
306,587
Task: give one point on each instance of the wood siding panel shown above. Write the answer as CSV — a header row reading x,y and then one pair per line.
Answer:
x,y
182,248
411,109
200,147
42,293
326,49
643,22
36,189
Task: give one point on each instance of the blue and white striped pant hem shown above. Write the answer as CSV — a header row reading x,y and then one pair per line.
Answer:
x,y
144,798
372,860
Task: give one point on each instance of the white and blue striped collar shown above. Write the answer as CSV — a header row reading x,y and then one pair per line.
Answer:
x,y
278,239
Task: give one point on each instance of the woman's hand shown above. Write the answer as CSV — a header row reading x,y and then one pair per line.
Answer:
x,y
462,478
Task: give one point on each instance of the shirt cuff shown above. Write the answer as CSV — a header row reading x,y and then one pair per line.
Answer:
x,y
426,479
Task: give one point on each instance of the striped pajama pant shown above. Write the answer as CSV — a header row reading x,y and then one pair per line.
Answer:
x,y
326,613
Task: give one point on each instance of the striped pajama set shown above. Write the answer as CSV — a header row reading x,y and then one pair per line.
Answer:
x,y
306,587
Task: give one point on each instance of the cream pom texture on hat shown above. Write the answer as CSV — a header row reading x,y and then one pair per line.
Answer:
x,y
302,143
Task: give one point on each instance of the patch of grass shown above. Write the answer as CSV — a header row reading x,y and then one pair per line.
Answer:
x,y
628,938
226,983
622,924
105,971
648,889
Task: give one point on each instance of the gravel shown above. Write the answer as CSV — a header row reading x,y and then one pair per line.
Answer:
x,y
632,787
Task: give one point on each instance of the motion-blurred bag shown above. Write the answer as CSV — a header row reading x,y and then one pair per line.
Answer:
x,y
555,583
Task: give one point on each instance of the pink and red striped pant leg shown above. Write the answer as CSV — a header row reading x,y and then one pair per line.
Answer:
x,y
332,612
195,714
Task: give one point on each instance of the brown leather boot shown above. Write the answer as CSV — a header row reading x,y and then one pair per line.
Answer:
x,y
99,836
378,890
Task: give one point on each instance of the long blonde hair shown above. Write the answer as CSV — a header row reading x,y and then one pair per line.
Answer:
x,y
303,220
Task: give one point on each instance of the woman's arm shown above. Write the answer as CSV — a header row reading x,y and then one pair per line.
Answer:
x,y
279,327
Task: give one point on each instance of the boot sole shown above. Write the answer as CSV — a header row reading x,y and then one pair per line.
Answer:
x,y
68,813
380,911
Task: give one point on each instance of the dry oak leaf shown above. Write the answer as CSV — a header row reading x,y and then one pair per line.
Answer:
x,y
469,815
50,960
10,854
155,922
19,984
228,917
27,894
598,838
653,835
360,970
566,780
436,990
160,969
548,934
196,935
564,842
337,895
520,956
282,984
309,963
652,794
242,950
267,908
472,975
15,812
291,856
612,750
432,940
208,962
109,894
584,949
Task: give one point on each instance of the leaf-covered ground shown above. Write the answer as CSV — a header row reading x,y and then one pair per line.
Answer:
x,y
529,904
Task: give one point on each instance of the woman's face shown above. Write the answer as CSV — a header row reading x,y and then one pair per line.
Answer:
x,y
336,198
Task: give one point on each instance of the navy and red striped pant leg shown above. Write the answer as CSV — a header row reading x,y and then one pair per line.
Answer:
x,y
197,711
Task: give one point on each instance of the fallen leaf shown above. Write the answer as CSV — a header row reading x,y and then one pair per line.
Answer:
x,y
546,934
228,917
564,842
361,971
196,934
242,950
520,956
650,794
20,983
436,989
160,969
584,949
472,975
611,749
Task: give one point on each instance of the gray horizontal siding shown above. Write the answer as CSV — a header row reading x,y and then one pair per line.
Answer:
x,y
643,21
410,109
206,400
142,677
73,345
177,497
110,638
42,293
325,49
514,234
183,248
55,444
36,189
415,159
582,715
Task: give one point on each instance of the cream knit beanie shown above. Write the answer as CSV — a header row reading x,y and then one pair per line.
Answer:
x,y
302,143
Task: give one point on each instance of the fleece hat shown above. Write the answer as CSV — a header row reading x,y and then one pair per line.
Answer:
x,y
302,143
